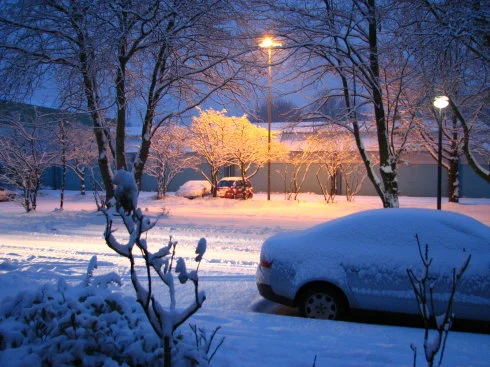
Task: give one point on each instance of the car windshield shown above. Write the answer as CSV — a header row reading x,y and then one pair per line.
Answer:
x,y
225,183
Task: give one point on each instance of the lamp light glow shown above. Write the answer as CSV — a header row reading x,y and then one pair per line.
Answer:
x,y
441,102
268,42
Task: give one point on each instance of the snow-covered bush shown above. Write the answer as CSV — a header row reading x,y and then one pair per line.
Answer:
x,y
91,324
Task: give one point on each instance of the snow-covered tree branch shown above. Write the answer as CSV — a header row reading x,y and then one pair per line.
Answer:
x,y
423,286
164,320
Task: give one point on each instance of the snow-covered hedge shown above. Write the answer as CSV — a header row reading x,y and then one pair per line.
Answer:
x,y
87,325
91,324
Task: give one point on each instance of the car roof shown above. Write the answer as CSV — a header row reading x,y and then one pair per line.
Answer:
x,y
231,178
384,235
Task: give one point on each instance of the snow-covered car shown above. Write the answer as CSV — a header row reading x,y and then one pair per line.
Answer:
x,y
6,194
194,189
233,188
361,261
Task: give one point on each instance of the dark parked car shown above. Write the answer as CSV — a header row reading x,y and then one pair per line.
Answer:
x,y
360,262
234,188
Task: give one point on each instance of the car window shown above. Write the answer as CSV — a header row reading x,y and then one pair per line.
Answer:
x,y
225,183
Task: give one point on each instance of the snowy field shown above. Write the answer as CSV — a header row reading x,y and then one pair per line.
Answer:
x,y
42,246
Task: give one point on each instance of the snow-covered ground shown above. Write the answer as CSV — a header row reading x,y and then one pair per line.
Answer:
x,y
47,244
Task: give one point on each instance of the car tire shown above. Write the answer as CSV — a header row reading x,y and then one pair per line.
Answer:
x,y
322,302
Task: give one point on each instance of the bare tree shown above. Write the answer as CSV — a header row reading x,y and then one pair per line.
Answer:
x,y
222,140
168,156
354,41
298,166
82,152
353,176
334,148
161,58
25,155
453,60
64,39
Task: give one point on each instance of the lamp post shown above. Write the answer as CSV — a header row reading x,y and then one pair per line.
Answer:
x,y
440,102
269,44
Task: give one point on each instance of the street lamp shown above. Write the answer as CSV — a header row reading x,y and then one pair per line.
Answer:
x,y
269,44
440,102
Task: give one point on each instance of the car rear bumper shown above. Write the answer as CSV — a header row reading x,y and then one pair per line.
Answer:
x,y
263,281
266,291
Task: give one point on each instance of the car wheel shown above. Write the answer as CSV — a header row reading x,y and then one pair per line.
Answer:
x,y
322,302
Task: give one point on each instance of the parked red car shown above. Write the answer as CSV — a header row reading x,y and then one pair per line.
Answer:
x,y
233,188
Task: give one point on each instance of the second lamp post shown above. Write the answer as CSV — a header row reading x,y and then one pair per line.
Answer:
x,y
440,103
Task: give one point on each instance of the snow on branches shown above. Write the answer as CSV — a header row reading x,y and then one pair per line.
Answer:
x,y
423,287
164,320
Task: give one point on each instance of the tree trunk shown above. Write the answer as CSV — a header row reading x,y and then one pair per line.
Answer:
x,y
214,181
63,182
479,170
453,180
154,96
453,171
121,116
161,191
62,138
357,136
387,162
167,356
101,135
82,184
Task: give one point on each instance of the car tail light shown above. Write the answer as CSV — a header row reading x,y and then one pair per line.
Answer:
x,y
265,263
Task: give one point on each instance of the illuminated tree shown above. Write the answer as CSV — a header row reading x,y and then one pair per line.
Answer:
x,y
208,134
247,147
222,140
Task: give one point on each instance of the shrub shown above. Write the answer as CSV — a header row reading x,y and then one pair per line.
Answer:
x,y
88,324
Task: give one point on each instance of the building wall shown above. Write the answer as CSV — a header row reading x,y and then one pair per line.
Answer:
x,y
414,180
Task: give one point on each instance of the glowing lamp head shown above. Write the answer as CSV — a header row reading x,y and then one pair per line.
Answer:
x,y
268,42
441,102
